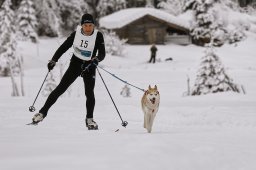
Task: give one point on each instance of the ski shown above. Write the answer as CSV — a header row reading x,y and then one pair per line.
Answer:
x,y
92,127
33,123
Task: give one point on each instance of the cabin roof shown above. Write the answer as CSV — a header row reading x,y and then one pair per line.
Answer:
x,y
124,17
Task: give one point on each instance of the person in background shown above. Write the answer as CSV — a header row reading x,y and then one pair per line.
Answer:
x,y
87,42
153,50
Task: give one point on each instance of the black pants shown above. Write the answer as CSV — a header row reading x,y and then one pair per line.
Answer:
x,y
153,58
74,70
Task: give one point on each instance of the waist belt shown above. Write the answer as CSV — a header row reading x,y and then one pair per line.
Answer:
x,y
83,64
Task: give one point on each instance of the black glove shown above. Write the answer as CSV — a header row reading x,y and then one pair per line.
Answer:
x,y
91,67
94,63
51,64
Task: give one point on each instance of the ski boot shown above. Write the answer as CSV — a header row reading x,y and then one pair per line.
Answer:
x,y
37,118
91,124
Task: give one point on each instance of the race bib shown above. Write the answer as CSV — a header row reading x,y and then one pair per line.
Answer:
x,y
84,45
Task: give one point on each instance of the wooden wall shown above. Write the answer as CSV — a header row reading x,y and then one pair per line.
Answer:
x,y
149,30
144,31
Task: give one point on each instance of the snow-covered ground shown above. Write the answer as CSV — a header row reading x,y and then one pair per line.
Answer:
x,y
211,132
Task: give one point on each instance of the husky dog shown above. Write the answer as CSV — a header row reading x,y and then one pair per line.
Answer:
x,y
150,104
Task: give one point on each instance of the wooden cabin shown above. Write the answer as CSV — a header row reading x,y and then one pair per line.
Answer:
x,y
147,26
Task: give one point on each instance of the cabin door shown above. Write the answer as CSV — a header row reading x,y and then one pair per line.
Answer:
x,y
151,34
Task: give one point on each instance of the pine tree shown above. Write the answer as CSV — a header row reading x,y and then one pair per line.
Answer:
x,y
7,38
114,45
48,17
119,4
57,16
212,77
208,25
10,63
27,21
106,7
174,7
71,12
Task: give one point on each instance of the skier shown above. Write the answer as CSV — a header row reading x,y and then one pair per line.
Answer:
x,y
86,42
153,50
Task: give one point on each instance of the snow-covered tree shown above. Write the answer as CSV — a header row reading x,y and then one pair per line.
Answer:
x,y
113,44
106,7
126,91
210,30
70,12
10,62
118,5
93,4
233,4
208,25
235,35
174,7
136,3
211,22
212,77
50,85
57,16
48,17
27,21
149,4
7,39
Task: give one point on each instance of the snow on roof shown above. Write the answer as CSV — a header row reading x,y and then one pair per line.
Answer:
x,y
123,17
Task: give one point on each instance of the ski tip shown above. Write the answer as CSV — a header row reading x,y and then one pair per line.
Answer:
x,y
32,123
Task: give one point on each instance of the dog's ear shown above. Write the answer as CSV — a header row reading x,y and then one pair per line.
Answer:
x,y
149,87
155,87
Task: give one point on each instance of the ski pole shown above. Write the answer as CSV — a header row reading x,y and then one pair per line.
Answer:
x,y
32,108
120,78
124,123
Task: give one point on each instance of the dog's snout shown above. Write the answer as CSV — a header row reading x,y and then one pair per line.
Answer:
x,y
153,100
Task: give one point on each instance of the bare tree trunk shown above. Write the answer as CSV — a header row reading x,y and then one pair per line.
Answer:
x,y
242,87
15,91
37,49
21,76
188,85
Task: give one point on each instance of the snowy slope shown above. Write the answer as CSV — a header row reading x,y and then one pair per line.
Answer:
x,y
213,132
